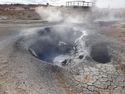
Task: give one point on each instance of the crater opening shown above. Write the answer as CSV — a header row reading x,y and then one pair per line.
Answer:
x,y
51,44
57,44
100,53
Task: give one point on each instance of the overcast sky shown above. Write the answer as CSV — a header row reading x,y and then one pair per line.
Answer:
x,y
99,3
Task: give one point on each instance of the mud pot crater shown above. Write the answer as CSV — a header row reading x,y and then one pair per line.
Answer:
x,y
59,44
100,53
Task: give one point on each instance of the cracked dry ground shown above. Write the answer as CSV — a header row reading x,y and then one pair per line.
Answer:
x,y
20,73
98,79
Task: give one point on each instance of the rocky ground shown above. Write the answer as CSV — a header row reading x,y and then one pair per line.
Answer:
x,y
21,73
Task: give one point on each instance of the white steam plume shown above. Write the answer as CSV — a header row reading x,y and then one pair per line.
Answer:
x,y
49,13
66,15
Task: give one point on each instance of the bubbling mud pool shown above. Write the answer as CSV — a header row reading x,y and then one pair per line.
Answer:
x,y
57,44
51,43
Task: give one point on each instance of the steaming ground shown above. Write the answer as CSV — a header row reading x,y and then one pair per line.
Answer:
x,y
21,72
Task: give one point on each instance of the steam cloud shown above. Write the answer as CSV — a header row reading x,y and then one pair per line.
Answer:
x,y
49,14
67,15
79,15
39,43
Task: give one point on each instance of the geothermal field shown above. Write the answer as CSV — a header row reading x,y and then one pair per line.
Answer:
x,y
48,49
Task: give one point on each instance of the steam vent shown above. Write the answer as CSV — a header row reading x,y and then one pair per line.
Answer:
x,y
76,48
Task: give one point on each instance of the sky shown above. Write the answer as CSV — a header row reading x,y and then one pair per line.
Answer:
x,y
99,3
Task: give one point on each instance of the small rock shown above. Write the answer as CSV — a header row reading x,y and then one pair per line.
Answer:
x,y
81,57
64,62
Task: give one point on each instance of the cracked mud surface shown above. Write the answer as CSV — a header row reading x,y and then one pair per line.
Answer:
x,y
98,79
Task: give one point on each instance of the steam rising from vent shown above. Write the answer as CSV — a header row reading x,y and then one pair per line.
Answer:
x,y
61,14
50,42
49,14
79,15
58,44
